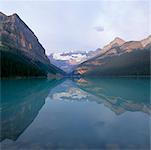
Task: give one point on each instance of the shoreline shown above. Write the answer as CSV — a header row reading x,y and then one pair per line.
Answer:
x,y
43,77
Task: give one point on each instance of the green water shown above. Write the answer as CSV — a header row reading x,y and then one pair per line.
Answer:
x,y
106,113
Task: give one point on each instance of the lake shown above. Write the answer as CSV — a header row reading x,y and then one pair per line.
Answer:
x,y
106,113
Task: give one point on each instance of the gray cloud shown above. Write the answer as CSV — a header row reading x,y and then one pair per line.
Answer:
x,y
99,28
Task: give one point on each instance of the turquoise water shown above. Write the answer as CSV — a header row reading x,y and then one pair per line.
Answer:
x,y
106,113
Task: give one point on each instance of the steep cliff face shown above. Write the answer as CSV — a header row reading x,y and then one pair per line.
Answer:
x,y
19,46
129,58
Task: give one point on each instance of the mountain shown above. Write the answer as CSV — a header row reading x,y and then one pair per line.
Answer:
x,y
67,61
146,41
115,43
21,52
119,58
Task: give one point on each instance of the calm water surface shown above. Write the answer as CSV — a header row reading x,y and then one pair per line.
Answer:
x,y
107,113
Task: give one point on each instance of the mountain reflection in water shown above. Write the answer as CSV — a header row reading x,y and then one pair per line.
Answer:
x,y
120,95
20,104
81,113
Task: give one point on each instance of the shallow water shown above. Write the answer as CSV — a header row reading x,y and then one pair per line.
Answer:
x,y
106,113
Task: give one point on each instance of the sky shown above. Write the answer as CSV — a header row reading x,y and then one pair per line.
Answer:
x,y
63,26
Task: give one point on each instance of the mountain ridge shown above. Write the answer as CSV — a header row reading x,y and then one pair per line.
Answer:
x,y
21,50
109,63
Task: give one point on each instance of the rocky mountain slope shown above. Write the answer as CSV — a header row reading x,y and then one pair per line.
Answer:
x,y
119,58
21,52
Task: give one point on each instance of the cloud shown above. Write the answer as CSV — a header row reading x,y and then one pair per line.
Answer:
x,y
72,25
99,28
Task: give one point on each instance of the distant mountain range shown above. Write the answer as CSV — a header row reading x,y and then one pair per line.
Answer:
x,y
68,60
118,58
22,55
21,52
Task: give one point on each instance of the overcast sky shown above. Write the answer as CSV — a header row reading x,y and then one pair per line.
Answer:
x,y
81,25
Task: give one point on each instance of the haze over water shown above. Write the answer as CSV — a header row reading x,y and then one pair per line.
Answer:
x,y
80,113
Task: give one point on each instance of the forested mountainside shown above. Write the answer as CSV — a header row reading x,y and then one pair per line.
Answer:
x,y
119,58
21,52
